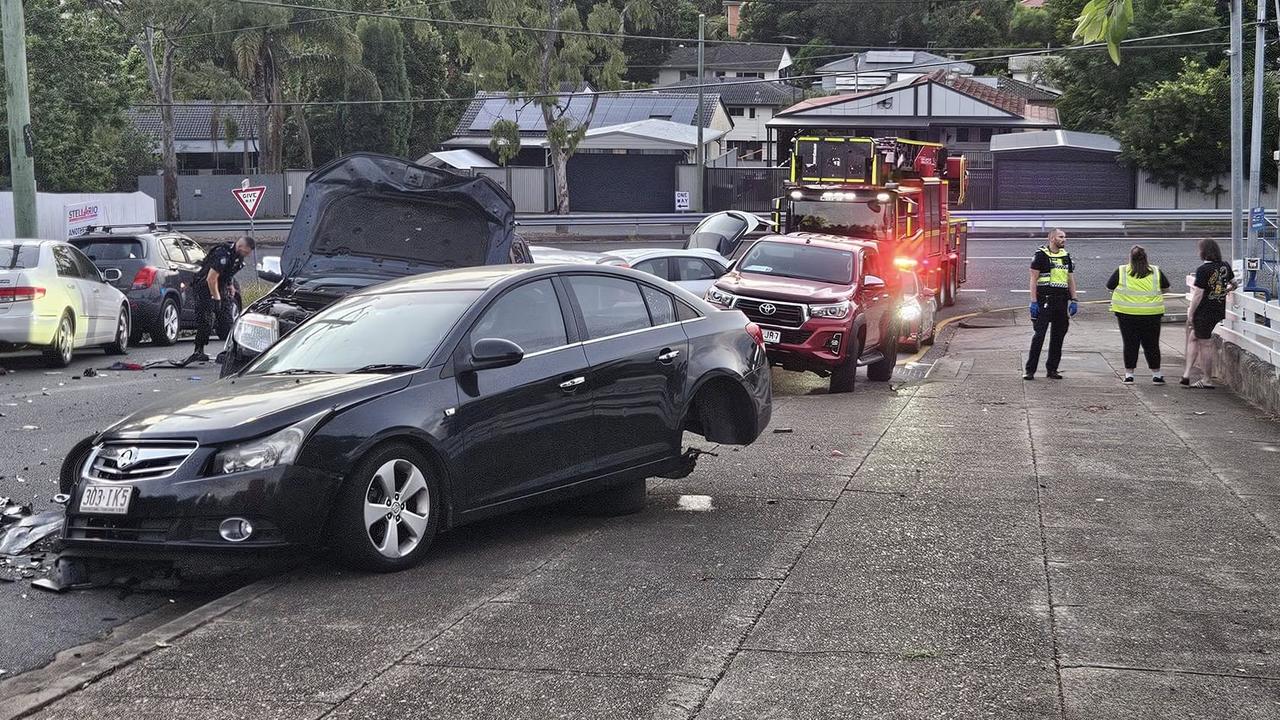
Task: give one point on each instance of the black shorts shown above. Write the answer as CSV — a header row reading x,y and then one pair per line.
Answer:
x,y
1203,323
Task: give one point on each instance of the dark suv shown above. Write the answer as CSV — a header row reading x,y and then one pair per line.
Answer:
x,y
157,269
822,302
366,219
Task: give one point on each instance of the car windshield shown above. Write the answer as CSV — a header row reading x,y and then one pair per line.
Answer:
x,y
368,333
100,250
855,219
804,262
19,256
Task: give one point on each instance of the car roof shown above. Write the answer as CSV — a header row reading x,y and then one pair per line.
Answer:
x,y
634,255
30,241
556,255
485,277
834,242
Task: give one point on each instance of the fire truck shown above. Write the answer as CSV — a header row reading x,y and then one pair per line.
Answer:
x,y
894,191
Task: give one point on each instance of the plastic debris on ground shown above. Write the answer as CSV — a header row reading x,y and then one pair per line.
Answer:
x,y
121,365
90,372
17,536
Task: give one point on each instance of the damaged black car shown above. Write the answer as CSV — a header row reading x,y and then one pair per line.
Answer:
x,y
365,219
512,386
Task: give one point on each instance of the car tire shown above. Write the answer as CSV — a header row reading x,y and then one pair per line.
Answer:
x,y
949,286
69,473
845,376
401,478
882,369
59,353
120,346
627,498
933,333
168,324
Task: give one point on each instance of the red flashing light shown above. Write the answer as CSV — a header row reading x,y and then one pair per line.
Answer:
x,y
145,278
21,294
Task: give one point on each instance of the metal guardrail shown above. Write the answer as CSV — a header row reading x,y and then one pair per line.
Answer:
x,y
1042,218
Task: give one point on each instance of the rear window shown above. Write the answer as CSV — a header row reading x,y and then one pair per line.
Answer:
x,y
19,256
100,250
396,227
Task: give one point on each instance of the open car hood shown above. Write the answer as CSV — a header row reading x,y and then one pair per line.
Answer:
x,y
390,216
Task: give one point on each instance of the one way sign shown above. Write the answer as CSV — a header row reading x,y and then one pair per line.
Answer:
x,y
249,198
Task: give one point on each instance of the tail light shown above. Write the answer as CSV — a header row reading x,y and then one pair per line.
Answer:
x,y
21,294
145,278
756,333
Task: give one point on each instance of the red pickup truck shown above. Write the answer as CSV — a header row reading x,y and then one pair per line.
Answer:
x,y
823,302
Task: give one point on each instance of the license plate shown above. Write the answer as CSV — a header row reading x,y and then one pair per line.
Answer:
x,y
773,336
106,499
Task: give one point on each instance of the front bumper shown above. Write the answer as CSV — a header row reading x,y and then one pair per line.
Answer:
x,y
820,345
287,505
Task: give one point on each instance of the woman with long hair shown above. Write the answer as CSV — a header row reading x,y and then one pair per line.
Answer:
x,y
1137,299
1214,281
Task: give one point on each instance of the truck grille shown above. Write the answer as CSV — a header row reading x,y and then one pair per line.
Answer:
x,y
795,337
784,314
138,460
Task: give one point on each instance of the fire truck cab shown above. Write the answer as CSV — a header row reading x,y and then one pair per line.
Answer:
x,y
896,192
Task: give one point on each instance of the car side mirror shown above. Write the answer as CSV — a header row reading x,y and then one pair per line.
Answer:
x,y
111,274
872,282
490,353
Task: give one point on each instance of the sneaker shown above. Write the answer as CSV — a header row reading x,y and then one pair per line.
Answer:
x,y
1054,375
1028,376
198,356
1202,385
1185,381
1157,379
1128,380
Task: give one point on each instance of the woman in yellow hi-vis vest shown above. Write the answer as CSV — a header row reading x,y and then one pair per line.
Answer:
x,y
1137,299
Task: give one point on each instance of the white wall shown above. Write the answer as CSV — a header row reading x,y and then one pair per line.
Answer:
x,y
1152,196
747,128
120,209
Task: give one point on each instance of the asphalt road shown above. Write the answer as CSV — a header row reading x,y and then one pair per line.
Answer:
x,y
43,413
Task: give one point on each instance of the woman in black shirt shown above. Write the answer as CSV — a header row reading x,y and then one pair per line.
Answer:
x,y
1214,281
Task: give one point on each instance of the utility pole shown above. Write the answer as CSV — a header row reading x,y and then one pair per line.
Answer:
x,y
1237,128
1255,127
21,163
701,154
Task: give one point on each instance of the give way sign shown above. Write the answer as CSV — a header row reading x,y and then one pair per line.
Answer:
x,y
250,197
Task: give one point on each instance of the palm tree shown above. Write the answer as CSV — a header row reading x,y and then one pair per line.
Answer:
x,y
280,54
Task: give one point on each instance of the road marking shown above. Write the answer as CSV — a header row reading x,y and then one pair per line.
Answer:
x,y
997,257
1078,292
972,290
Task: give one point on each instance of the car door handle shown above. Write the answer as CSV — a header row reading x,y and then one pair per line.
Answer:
x,y
573,383
668,355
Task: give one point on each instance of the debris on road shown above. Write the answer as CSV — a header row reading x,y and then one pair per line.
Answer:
x,y
782,431
90,372
27,531
121,365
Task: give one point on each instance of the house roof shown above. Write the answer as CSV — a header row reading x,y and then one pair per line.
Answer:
x,y
486,108
1017,106
761,58
874,60
1033,93
648,132
198,120
1054,138
740,91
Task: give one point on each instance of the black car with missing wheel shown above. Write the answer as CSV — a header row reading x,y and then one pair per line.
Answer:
x,y
512,386
365,219
155,269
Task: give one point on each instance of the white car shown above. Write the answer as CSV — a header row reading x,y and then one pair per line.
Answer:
x,y
694,270
53,298
545,255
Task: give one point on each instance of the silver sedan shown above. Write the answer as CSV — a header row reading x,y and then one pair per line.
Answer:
x,y
53,298
694,270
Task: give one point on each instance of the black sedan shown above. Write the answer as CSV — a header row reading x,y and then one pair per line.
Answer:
x,y
155,268
424,403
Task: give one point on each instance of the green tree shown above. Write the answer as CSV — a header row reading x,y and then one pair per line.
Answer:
x,y
81,80
533,64
1174,129
382,127
1031,26
971,23
877,23
1105,20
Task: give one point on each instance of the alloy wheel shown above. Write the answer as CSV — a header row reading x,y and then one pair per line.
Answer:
x,y
122,331
397,508
169,322
63,341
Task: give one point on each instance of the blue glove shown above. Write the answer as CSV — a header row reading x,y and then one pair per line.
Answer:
x,y
1035,309
1073,308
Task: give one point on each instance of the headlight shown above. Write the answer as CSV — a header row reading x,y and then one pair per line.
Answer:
x,y
278,448
719,297
836,311
255,332
909,310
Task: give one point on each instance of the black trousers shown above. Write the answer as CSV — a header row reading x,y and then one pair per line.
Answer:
x,y
1140,331
1054,320
209,314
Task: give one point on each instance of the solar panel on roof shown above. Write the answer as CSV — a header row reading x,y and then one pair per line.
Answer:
x,y
890,56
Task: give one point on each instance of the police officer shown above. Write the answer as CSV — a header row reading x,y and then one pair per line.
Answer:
x,y
212,290
1053,301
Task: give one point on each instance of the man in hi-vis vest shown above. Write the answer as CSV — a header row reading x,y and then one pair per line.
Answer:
x,y
1053,302
1137,299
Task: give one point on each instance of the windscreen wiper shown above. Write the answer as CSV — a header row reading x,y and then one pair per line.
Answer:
x,y
386,368
301,371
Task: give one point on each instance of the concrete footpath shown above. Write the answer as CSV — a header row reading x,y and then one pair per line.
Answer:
x,y
971,546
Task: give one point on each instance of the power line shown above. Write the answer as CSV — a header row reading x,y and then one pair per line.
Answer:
x,y
734,82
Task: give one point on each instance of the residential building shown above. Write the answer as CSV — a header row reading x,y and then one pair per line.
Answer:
x,y
763,62
876,68
202,139
1030,69
750,104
